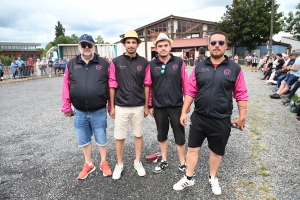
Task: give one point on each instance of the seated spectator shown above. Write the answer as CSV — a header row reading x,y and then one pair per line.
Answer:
x,y
290,79
278,67
60,64
13,69
293,91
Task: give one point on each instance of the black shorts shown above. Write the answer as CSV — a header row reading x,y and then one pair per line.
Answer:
x,y
254,64
162,118
216,131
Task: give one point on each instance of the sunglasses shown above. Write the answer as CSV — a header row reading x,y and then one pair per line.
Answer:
x,y
214,42
162,71
83,45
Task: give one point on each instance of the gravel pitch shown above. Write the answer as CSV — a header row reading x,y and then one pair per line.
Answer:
x,y
39,157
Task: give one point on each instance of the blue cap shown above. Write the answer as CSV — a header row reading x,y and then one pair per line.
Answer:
x,y
86,38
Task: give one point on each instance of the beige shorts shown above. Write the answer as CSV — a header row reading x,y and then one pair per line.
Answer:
x,y
123,115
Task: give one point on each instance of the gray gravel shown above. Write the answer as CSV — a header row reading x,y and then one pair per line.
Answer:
x,y
39,157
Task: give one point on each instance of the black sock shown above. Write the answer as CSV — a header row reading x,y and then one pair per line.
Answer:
x,y
189,177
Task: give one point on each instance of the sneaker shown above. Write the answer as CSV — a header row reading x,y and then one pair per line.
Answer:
x,y
298,119
275,96
86,170
139,168
117,171
104,167
215,187
182,167
161,166
183,183
285,102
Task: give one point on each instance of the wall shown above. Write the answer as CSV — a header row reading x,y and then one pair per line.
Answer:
x,y
295,44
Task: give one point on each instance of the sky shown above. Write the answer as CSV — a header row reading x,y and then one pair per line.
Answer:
x,y
34,20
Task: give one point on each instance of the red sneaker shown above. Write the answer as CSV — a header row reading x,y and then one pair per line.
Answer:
x,y
104,167
86,170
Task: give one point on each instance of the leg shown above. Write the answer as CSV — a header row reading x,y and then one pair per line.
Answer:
x,y
120,150
164,149
191,160
181,152
214,163
87,150
138,143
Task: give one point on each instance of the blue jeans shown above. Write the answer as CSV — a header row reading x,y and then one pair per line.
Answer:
x,y
279,79
293,91
89,123
20,72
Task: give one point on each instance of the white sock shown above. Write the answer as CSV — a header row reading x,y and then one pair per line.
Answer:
x,y
90,164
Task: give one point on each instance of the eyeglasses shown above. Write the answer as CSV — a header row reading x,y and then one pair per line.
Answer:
x,y
83,45
162,71
214,42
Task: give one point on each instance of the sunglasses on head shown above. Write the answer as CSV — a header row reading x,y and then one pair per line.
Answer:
x,y
83,45
162,71
214,42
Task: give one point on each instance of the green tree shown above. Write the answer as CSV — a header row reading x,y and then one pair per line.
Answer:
x,y
247,22
62,40
48,46
59,30
99,40
74,39
292,23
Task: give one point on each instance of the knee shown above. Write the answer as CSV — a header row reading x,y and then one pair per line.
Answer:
x,y
193,151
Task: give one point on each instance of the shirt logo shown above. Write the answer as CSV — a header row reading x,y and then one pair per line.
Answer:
x,y
122,67
175,67
77,66
139,68
204,70
98,67
227,72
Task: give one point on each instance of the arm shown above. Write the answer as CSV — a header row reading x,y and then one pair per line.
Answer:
x,y
188,100
146,106
112,84
112,94
66,101
184,81
147,90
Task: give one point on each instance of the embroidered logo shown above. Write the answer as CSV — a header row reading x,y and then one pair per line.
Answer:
x,y
77,66
98,67
139,68
175,67
204,70
122,67
227,72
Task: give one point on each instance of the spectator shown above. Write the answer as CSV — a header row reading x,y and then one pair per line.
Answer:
x,y
56,65
30,63
290,79
60,64
236,58
20,64
13,69
248,60
38,66
44,66
1,70
50,65
293,91
201,56
64,64
277,70
254,61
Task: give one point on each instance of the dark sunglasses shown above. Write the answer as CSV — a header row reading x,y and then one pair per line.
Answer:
x,y
214,42
162,71
83,45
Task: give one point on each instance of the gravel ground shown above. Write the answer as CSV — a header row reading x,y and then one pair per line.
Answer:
x,y
39,157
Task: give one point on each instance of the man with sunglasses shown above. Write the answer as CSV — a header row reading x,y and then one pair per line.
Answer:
x,y
85,86
213,84
129,95
169,85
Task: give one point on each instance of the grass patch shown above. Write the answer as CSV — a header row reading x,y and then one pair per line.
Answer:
x,y
295,98
255,132
218,175
262,170
245,184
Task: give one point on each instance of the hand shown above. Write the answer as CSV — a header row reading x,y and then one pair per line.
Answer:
x,y
240,123
188,110
183,119
69,114
112,113
146,111
151,111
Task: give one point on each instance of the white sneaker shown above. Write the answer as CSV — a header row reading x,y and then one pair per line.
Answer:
x,y
117,171
183,183
215,187
139,168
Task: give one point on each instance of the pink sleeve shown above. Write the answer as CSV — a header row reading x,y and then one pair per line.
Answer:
x,y
112,80
66,101
240,91
147,79
184,79
193,88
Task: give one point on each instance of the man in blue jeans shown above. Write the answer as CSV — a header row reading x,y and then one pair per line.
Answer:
x,y
85,86
20,64
290,79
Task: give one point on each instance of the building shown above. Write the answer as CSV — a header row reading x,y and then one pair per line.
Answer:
x,y
295,44
23,50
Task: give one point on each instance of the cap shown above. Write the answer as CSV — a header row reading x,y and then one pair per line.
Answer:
x,y
131,34
161,37
86,38
291,54
297,53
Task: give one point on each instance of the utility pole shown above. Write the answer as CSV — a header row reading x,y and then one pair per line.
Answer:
x,y
271,30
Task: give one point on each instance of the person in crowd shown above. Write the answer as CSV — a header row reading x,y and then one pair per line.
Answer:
x,y
20,64
50,65
291,94
30,63
13,69
44,66
169,86
1,70
236,58
60,64
85,86
248,60
129,81
290,79
201,56
56,65
254,61
211,83
38,66
64,64
279,68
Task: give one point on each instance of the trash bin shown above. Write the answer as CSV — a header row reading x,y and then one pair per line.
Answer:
x,y
25,71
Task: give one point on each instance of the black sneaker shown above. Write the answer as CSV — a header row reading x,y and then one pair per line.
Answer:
x,y
275,96
161,166
182,167
286,102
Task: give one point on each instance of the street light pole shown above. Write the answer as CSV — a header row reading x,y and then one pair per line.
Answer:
x,y
271,29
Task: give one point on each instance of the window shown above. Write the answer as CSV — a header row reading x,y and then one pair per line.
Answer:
x,y
195,35
183,28
188,26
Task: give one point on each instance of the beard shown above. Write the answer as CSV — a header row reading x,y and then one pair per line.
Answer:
x,y
216,56
87,55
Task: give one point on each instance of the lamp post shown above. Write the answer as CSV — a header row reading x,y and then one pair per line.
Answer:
x,y
271,29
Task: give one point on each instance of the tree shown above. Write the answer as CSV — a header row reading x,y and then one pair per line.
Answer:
x,y
292,23
247,22
99,40
59,30
74,39
63,40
